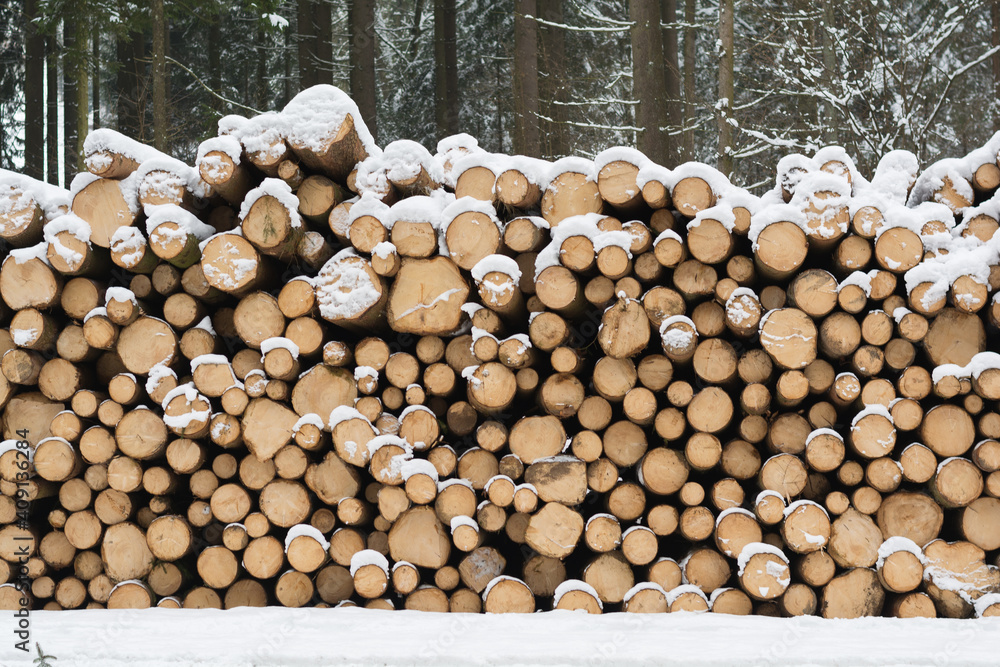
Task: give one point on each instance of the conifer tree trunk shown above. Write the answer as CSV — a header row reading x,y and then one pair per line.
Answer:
x,y
829,67
418,11
215,62
129,51
995,34
362,20
261,89
672,76
690,52
52,110
82,92
34,101
286,57
552,79
648,81
324,42
526,130
306,44
95,87
70,105
159,77
445,68
725,105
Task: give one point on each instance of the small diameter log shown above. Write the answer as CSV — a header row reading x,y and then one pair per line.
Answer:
x,y
174,235
497,279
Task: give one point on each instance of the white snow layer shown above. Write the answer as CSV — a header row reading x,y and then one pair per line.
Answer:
x,y
281,637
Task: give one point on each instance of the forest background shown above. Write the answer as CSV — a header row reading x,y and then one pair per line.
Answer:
x,y
733,83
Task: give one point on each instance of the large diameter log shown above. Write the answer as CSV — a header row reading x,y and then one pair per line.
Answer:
x,y
554,530
954,337
780,250
418,537
30,412
272,222
27,281
561,479
125,552
350,293
427,297
624,329
854,594
231,264
508,595
223,170
105,206
571,193
914,516
322,389
955,575
326,131
763,571
145,343
21,218
267,427
947,430
789,336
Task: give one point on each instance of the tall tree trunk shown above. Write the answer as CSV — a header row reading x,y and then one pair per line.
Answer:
x,y
168,90
363,61
690,53
726,92
418,11
672,81
95,87
324,42
995,34
52,110
261,89
129,50
70,106
552,80
445,68
34,95
306,44
215,63
286,56
829,70
82,91
159,77
527,136
648,82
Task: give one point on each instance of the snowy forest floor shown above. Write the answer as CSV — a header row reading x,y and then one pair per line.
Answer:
x,y
278,637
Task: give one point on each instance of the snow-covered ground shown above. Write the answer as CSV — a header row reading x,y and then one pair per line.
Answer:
x,y
274,637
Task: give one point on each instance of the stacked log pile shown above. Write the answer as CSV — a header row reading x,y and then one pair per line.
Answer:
x,y
308,371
